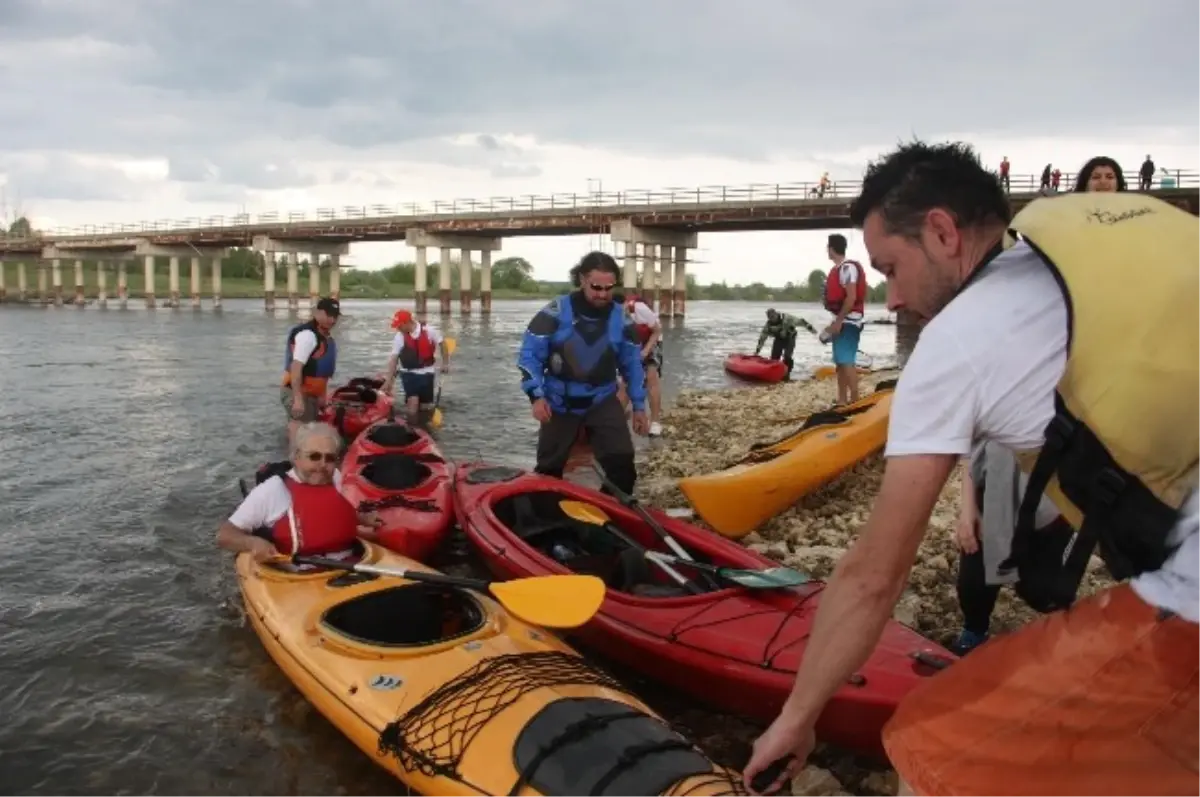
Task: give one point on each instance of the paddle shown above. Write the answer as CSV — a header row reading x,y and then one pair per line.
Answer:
x,y
632,503
435,420
550,601
594,515
771,578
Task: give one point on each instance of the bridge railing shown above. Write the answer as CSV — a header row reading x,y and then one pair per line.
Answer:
x,y
593,202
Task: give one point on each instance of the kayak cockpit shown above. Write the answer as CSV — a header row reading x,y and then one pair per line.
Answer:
x,y
392,435
407,615
537,518
394,471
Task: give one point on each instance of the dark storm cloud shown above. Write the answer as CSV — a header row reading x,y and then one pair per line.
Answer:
x,y
251,89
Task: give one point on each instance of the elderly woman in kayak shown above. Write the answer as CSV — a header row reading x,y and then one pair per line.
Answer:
x,y
301,511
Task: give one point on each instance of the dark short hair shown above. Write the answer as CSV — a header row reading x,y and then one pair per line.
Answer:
x,y
1085,174
837,242
906,184
594,261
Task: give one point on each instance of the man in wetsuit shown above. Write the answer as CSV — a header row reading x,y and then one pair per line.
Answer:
x,y
570,356
782,327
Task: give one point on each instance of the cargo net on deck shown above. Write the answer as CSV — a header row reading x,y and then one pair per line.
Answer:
x,y
433,736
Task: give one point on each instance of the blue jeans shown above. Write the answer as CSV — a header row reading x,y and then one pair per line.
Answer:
x,y
845,345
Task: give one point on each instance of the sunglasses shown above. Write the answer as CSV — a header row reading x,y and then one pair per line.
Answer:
x,y
601,288
317,456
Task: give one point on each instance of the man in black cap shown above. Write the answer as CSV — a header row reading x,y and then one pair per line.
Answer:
x,y
309,361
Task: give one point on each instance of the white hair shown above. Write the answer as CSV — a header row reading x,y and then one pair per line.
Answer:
x,y
314,430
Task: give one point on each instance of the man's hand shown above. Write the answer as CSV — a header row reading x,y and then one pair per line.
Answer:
x,y
541,411
388,384
445,368
782,739
834,329
261,550
368,522
641,423
965,532
297,407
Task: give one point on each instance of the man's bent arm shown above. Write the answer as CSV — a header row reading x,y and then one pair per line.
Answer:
x,y
860,596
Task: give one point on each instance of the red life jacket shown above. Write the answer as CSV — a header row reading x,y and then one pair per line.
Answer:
x,y
418,352
835,291
644,331
320,521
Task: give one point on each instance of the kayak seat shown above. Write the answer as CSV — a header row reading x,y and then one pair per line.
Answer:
x,y
409,615
395,471
593,745
392,435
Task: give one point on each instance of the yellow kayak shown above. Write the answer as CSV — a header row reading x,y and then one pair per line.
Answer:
x,y
772,477
453,695
828,371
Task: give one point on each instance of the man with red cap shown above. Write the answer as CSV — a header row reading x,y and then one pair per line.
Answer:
x,y
414,353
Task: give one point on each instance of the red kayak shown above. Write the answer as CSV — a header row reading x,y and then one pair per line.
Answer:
x,y
734,648
355,406
756,368
400,473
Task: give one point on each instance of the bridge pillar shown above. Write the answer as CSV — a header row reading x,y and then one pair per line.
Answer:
x,y
194,283
663,283
680,280
101,284
148,261
56,280
649,267
79,299
629,266
3,287
22,284
314,281
485,281
269,281
665,242
43,294
421,280
464,281
173,282
293,281
123,284
444,281
419,239
216,283
335,276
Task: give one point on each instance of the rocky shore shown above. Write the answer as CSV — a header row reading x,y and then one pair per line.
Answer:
x,y
706,431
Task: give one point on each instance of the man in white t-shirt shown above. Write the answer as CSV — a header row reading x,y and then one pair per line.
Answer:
x,y
649,335
301,510
1098,699
414,353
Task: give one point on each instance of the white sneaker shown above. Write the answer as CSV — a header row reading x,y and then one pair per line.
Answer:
x,y
655,429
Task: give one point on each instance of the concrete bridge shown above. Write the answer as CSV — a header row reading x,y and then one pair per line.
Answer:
x,y
655,229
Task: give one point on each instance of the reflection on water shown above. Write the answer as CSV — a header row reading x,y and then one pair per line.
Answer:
x,y
125,666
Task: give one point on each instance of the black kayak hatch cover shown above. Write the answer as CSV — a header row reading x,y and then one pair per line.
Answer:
x,y
592,745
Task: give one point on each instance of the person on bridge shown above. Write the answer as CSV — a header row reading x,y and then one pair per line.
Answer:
x,y
783,328
648,328
297,506
570,356
414,351
845,297
309,362
1030,344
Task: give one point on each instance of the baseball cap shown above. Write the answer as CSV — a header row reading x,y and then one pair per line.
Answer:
x,y
330,306
401,317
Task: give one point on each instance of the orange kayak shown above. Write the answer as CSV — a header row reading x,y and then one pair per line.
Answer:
x,y
453,695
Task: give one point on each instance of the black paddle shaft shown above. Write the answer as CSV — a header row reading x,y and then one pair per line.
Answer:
x,y
411,575
765,778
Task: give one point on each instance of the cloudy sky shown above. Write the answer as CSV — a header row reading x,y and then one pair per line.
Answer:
x,y
127,110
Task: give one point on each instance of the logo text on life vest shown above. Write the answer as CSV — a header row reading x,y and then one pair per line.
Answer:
x,y
1109,218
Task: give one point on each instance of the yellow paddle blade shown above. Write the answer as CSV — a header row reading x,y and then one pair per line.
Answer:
x,y
584,513
551,601
451,344
435,420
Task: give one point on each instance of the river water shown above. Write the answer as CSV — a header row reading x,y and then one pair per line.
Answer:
x,y
125,666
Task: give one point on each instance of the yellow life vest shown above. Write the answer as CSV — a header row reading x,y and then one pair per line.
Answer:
x,y
1120,456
